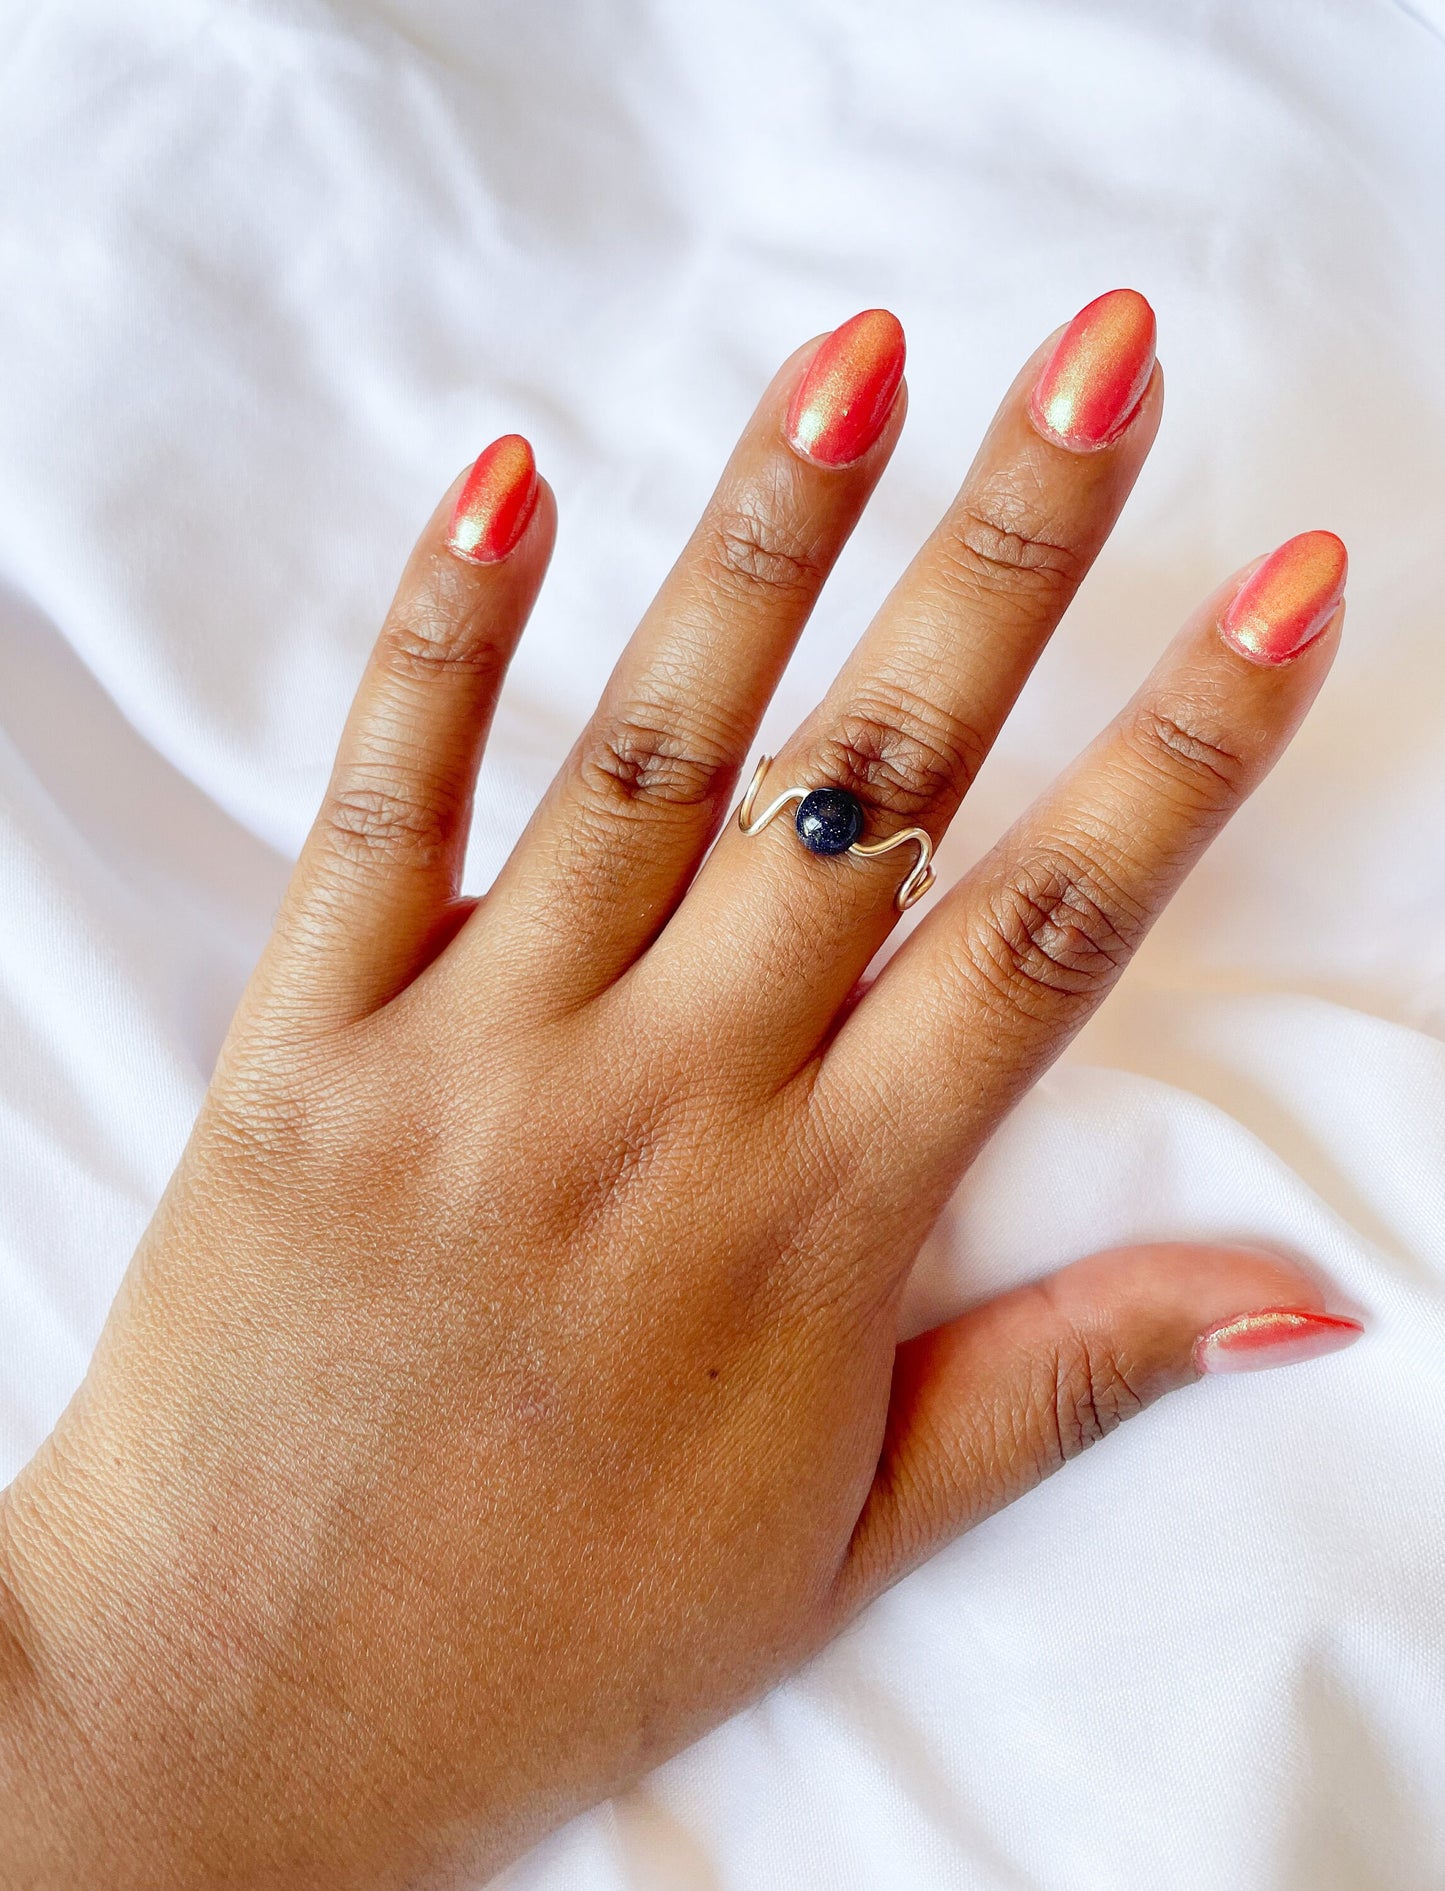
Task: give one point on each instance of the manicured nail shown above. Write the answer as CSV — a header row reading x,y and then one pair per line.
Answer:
x,y
1287,602
1095,378
848,392
494,506
1276,1337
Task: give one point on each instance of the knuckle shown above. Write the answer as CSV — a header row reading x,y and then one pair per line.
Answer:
x,y
437,632
1083,1394
1057,930
1177,745
902,753
365,823
751,551
641,760
995,546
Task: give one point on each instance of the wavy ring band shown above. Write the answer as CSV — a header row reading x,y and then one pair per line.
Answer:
x,y
831,821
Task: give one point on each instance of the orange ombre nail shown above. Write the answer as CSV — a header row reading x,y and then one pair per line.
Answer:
x,y
848,391
1285,604
495,504
1278,1336
1095,379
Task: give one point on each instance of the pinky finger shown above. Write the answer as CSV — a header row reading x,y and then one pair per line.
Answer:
x,y
374,896
987,1406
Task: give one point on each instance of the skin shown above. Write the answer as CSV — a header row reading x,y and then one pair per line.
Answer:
x,y
507,1387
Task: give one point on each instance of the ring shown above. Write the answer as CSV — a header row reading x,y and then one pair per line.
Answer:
x,y
830,821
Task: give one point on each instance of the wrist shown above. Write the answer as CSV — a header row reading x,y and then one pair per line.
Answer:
x,y
31,1831
66,1816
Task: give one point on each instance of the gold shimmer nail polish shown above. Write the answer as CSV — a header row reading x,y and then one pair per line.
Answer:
x,y
848,390
1094,380
495,504
1286,603
1275,1336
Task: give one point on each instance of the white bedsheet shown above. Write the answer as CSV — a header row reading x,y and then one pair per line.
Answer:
x,y
274,269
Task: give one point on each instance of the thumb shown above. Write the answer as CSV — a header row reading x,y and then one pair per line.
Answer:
x,y
985,1407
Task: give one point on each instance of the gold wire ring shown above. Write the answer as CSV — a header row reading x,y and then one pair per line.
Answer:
x,y
920,875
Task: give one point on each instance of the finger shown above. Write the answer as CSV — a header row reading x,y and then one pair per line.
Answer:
x,y
375,893
620,834
993,985
986,1407
916,708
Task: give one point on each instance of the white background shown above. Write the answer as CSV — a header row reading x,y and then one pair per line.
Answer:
x,y
273,272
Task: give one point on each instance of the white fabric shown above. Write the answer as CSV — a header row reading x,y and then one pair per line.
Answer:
x,y
275,269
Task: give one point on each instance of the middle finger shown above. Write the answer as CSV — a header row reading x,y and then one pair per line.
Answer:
x,y
914,711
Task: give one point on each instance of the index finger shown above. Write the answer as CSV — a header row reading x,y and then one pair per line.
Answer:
x,y
994,984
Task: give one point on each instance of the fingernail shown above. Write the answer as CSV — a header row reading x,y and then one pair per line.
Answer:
x,y
1276,1337
494,506
1095,378
1287,602
842,401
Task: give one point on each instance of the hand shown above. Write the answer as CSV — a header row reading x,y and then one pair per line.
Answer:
x,y
507,1385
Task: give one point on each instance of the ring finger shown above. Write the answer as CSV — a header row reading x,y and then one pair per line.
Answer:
x,y
640,798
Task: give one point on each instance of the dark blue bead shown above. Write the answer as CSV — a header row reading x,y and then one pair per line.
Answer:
x,y
829,820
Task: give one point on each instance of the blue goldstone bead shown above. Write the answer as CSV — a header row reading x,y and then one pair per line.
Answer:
x,y
829,820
